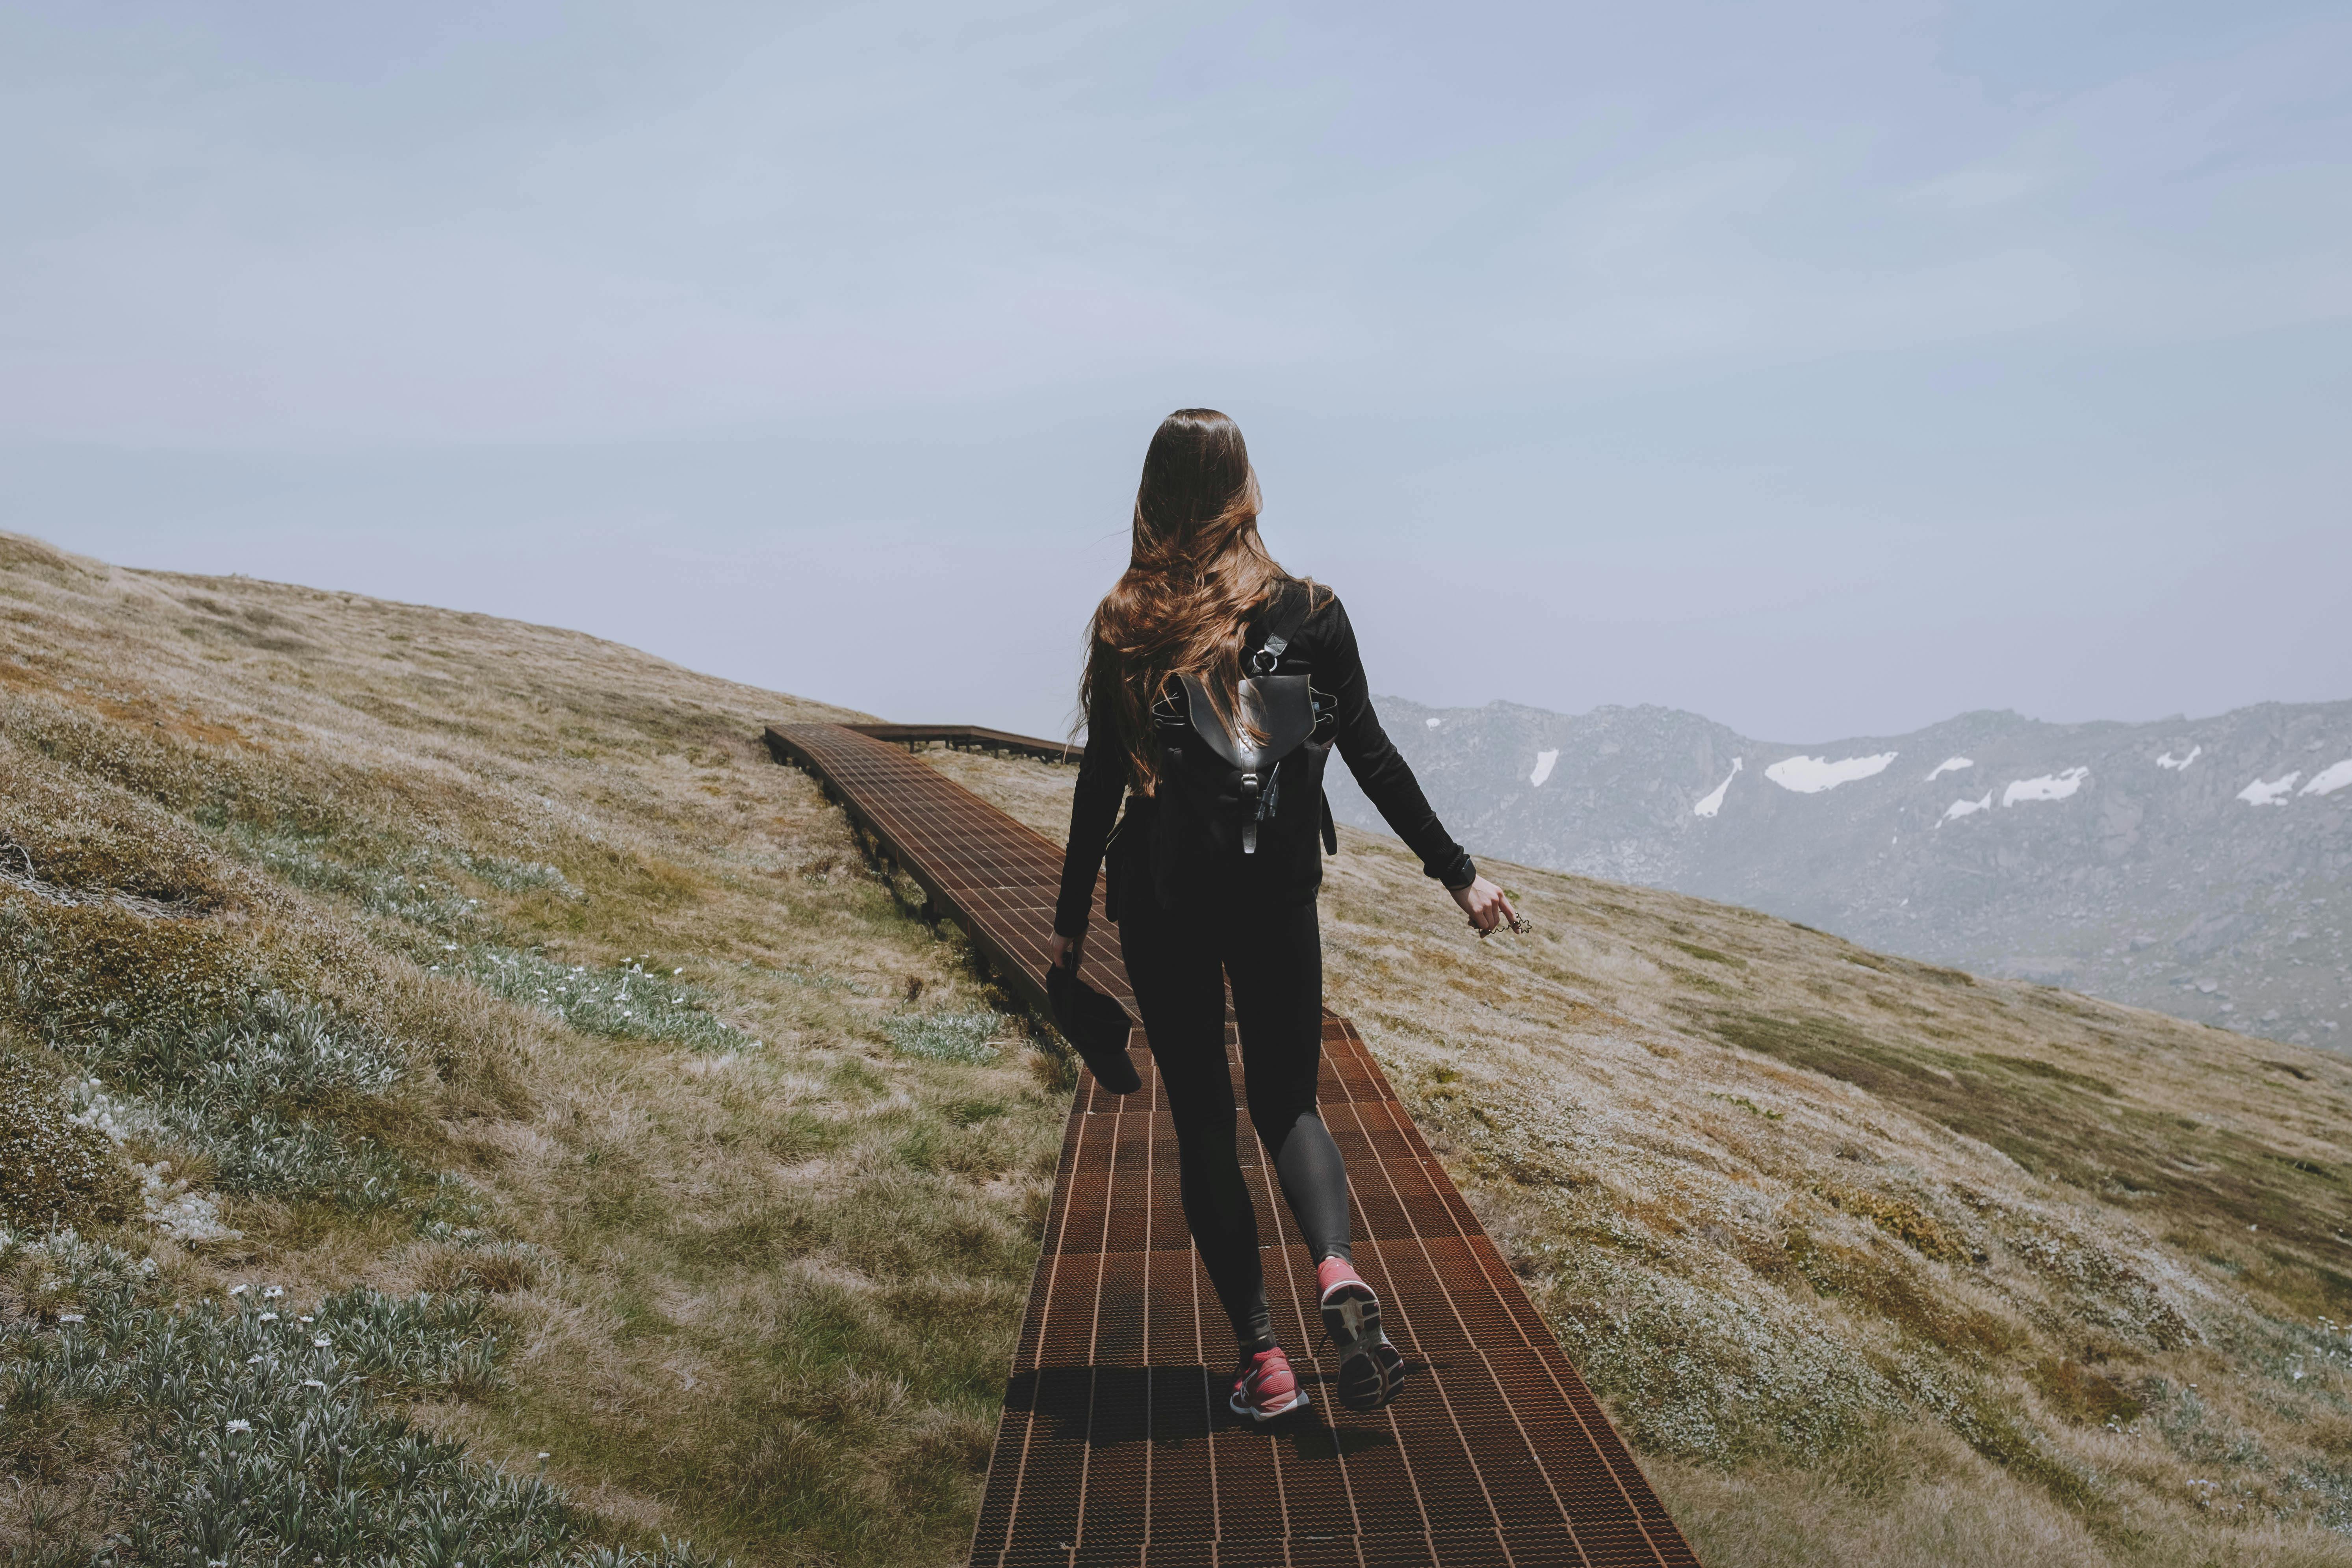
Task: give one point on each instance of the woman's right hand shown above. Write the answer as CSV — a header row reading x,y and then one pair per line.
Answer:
x,y
1073,949
1487,906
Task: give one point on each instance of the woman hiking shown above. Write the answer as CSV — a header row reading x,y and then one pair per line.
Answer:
x,y
1215,685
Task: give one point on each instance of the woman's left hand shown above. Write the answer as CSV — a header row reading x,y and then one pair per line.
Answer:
x,y
1485,904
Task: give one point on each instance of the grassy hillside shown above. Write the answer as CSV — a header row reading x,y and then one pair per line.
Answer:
x,y
1875,1262
451,1042
441,1031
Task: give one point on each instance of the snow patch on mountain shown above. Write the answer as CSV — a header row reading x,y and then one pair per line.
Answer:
x,y
2126,883
2049,787
1714,802
1951,765
1544,761
2327,780
1433,723
1960,808
1810,775
2271,794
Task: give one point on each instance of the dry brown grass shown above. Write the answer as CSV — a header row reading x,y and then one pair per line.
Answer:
x,y
763,1294
1875,1262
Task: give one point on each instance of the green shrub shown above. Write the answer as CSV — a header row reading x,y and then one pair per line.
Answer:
x,y
260,1434
258,1094
946,1037
193,1047
623,1002
53,1170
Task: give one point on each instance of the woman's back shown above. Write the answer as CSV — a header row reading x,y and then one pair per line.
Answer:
x,y
1214,870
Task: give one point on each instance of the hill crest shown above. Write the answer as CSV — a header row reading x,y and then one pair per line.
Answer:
x,y
605,1032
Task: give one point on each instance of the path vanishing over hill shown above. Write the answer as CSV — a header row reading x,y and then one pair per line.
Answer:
x,y
490,992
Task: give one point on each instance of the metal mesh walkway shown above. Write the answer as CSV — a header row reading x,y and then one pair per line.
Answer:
x,y
1115,1447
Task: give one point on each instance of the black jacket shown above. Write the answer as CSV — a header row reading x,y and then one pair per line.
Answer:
x,y
1323,647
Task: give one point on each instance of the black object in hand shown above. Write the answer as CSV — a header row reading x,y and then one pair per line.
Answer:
x,y
1096,1024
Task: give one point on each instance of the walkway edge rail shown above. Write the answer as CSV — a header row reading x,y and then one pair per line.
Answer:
x,y
969,738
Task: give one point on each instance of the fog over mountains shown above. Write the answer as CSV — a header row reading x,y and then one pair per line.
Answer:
x,y
2202,867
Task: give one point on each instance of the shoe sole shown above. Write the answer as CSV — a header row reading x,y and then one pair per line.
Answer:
x,y
1239,1407
1370,1366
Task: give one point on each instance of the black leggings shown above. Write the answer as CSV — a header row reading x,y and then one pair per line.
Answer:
x,y
1179,963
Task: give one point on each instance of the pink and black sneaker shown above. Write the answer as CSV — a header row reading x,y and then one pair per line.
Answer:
x,y
1265,1387
1371,1373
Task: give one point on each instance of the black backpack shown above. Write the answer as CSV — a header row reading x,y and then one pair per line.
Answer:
x,y
1241,793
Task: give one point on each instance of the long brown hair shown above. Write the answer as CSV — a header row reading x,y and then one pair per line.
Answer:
x,y
1196,570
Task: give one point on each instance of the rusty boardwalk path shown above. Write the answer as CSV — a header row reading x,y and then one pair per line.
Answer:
x,y
1115,1445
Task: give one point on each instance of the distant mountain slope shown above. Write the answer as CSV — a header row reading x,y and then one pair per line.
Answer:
x,y
2200,866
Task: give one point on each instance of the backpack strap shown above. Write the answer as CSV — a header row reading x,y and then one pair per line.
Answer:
x,y
1290,613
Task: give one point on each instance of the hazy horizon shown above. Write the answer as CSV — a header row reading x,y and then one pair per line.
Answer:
x,y
1825,370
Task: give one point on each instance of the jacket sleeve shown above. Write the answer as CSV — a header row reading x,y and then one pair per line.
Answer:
x,y
1102,785
1374,758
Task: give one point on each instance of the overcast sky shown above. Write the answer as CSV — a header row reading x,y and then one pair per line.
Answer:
x,y
1827,369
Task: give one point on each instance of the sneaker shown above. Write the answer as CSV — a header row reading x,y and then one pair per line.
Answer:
x,y
1265,1387
1371,1369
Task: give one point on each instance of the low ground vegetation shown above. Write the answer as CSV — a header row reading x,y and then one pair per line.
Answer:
x,y
244,1430
1873,1261
481,994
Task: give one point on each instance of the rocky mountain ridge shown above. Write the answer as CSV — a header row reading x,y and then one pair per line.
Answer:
x,y
2201,867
